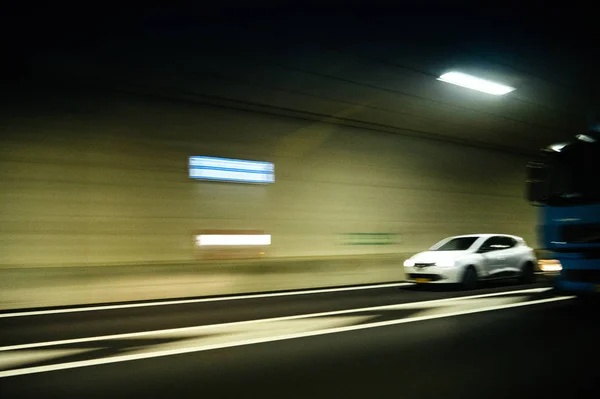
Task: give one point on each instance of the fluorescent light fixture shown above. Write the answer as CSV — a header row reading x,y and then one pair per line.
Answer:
x,y
233,170
586,138
558,147
475,83
233,239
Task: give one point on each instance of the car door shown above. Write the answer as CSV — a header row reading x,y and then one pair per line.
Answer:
x,y
502,255
513,254
493,263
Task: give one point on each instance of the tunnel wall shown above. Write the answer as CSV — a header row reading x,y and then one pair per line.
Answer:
x,y
107,181
101,180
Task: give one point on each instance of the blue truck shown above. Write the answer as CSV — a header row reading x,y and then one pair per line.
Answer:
x,y
564,182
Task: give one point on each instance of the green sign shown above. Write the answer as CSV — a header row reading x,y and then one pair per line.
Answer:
x,y
371,239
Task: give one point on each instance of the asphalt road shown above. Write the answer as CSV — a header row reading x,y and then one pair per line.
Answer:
x,y
501,341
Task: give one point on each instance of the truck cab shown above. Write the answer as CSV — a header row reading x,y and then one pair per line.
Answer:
x,y
564,182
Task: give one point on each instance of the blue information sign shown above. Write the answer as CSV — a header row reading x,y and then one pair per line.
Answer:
x,y
233,170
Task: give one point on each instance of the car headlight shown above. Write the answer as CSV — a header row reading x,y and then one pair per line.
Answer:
x,y
447,263
549,265
409,263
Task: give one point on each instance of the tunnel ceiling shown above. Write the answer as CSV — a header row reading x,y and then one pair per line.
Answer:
x,y
372,66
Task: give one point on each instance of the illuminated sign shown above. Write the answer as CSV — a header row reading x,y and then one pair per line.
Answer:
x,y
235,170
233,239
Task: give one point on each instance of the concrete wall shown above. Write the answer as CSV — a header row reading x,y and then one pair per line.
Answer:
x,y
63,286
106,181
101,179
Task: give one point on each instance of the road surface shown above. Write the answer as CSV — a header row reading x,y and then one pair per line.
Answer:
x,y
395,340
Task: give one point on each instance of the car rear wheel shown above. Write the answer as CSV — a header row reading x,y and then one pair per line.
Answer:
x,y
469,279
527,274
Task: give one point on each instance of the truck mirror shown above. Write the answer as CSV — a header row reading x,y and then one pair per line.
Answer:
x,y
536,182
533,191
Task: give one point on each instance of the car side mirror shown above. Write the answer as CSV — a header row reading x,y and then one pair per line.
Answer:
x,y
483,250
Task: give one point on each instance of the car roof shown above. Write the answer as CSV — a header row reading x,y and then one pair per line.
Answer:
x,y
487,235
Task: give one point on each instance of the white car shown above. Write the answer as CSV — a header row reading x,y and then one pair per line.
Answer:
x,y
470,258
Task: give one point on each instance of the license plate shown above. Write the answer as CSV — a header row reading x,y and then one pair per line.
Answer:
x,y
422,280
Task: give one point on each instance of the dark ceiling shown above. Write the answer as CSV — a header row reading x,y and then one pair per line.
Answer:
x,y
372,65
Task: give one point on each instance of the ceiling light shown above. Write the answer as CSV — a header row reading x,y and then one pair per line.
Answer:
x,y
586,138
474,83
558,147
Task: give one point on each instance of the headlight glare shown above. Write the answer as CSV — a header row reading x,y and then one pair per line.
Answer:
x,y
549,265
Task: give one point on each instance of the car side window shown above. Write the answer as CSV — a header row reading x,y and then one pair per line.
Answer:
x,y
497,243
507,242
489,245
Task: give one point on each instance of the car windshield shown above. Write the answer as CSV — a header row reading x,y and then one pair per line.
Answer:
x,y
455,244
571,174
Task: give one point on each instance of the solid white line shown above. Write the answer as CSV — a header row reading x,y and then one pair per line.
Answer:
x,y
96,362
246,322
200,300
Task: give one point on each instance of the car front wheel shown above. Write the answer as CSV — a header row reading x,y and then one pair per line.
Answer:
x,y
469,279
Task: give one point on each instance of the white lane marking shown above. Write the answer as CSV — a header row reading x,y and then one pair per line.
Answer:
x,y
219,335
8,360
476,303
200,300
408,305
180,351
216,334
